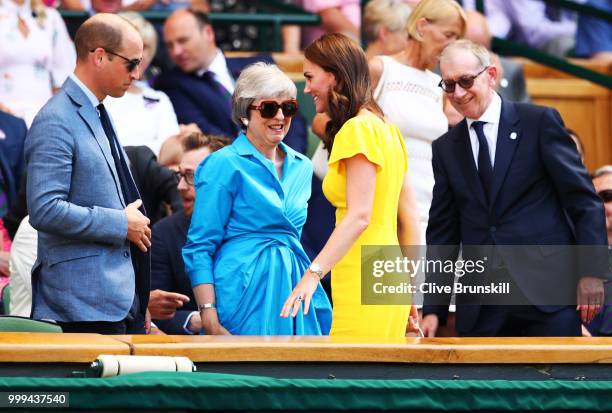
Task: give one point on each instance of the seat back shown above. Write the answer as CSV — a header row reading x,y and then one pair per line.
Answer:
x,y
23,324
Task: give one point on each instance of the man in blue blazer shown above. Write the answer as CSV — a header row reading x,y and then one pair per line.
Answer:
x,y
509,175
92,270
201,85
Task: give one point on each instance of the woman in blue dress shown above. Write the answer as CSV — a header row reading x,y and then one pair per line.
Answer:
x,y
243,251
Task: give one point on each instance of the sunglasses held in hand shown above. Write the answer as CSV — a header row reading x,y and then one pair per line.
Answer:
x,y
269,109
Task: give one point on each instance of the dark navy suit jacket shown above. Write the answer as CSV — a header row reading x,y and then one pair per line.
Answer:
x,y
168,270
13,131
197,100
541,195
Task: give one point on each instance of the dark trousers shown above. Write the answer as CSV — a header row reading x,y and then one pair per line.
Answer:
x,y
514,316
525,321
133,323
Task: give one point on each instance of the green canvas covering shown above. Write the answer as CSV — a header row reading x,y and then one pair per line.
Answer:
x,y
212,391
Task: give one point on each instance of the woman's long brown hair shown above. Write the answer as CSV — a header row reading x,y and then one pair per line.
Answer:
x,y
342,57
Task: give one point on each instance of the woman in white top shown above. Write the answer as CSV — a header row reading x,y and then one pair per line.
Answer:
x,y
408,92
36,55
384,26
143,116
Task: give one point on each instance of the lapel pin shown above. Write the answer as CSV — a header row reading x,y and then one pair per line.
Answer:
x,y
2,134
513,135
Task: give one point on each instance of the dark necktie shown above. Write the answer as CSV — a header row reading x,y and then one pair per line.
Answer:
x,y
128,187
210,78
485,169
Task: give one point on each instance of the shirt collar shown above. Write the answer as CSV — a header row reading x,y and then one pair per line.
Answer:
x,y
90,96
217,66
243,147
492,114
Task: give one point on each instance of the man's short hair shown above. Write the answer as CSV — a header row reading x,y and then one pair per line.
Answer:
x,y
95,33
604,170
479,51
201,18
197,140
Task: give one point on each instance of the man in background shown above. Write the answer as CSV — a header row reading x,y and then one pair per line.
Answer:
x,y
172,304
202,83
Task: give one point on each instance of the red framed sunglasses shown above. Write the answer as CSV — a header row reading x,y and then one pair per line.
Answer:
x,y
269,108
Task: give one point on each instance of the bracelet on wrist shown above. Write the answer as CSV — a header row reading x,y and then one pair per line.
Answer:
x,y
206,306
316,270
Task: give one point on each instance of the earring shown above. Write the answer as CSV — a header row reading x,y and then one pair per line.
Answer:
x,y
245,122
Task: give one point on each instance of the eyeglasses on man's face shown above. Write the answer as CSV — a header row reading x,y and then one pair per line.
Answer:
x,y
187,176
269,109
130,64
465,82
605,195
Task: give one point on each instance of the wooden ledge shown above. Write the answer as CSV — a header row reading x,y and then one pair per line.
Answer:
x,y
57,347
366,349
53,347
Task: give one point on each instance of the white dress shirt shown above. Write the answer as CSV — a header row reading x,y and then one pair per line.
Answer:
x,y
222,74
145,117
21,261
491,116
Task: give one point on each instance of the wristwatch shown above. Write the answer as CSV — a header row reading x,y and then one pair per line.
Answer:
x,y
206,306
315,268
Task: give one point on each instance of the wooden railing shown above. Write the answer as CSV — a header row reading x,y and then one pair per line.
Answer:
x,y
54,347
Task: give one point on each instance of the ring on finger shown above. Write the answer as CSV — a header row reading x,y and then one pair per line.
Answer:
x,y
299,298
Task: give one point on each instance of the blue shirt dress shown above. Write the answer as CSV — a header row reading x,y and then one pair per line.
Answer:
x,y
244,238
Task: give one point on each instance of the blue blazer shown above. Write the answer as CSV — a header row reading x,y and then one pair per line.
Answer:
x,y
196,100
168,269
84,270
13,131
541,194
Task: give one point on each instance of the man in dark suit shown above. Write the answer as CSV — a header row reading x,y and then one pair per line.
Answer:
x,y
155,182
509,175
172,304
201,85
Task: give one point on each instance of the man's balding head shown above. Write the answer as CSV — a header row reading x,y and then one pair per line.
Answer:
x,y
109,51
102,30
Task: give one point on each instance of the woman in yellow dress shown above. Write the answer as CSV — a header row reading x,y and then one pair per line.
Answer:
x,y
365,183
